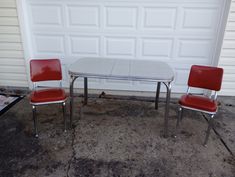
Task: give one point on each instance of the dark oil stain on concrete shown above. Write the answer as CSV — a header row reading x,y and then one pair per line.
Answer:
x,y
98,168
15,146
186,133
129,110
52,166
47,121
118,108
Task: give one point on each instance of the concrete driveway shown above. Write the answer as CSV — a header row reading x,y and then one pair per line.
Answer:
x,y
116,137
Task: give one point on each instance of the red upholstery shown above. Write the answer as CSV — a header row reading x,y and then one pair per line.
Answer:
x,y
206,77
45,70
47,95
198,102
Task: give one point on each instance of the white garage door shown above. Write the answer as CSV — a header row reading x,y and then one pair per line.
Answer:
x,y
179,32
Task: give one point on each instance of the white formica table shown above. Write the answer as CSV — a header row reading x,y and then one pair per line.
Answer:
x,y
122,69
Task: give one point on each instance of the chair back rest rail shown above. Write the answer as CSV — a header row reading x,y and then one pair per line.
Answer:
x,y
213,94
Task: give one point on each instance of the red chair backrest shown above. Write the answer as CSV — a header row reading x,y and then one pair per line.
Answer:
x,y
45,70
206,77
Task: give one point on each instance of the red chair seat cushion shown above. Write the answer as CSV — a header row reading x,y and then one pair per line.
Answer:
x,y
198,102
47,95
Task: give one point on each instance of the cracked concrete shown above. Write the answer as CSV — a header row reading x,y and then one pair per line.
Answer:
x,y
115,137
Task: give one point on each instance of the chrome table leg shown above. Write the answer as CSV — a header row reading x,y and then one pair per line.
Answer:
x,y
71,99
157,95
168,95
85,91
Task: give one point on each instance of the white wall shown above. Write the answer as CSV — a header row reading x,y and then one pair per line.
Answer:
x,y
12,62
227,58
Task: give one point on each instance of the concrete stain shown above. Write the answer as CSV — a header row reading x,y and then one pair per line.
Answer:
x,y
117,108
15,146
85,167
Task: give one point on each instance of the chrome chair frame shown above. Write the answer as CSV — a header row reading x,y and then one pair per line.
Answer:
x,y
211,118
35,120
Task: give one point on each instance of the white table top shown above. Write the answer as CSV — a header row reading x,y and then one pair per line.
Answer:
x,y
122,69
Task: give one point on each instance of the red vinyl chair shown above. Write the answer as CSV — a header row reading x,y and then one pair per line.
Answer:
x,y
46,70
204,77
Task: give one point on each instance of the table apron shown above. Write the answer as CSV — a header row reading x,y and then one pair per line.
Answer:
x,y
129,78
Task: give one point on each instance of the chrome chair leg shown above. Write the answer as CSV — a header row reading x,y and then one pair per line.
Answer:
x,y
181,114
64,116
35,121
210,125
179,118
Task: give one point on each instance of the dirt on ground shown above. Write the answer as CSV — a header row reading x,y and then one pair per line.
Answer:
x,y
113,137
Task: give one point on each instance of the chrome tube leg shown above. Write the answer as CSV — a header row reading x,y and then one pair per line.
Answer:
x,y
64,116
182,114
210,125
157,95
85,91
168,95
35,121
179,118
71,99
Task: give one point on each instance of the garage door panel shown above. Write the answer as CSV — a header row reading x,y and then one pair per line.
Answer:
x,y
181,77
197,18
46,15
194,48
157,47
180,32
84,45
159,17
120,46
49,44
120,17
83,16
